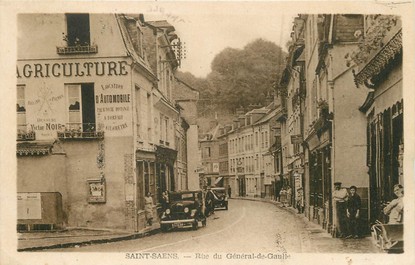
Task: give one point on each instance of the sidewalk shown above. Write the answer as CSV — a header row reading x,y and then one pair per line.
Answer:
x,y
319,241
76,237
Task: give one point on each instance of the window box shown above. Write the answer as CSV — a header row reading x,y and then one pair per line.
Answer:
x,y
23,136
79,49
80,135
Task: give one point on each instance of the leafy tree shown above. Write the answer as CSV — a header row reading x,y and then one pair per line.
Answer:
x,y
246,76
239,77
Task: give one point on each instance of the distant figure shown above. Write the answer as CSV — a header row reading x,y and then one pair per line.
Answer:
x,y
395,207
283,196
289,196
300,200
165,200
210,208
148,208
229,191
340,197
353,213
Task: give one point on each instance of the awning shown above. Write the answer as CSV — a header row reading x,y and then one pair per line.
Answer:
x,y
34,148
218,180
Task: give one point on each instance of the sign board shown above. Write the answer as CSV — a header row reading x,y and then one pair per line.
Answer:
x,y
96,190
296,139
215,167
29,206
200,170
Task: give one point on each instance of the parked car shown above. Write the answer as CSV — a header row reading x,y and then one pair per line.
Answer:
x,y
185,209
219,197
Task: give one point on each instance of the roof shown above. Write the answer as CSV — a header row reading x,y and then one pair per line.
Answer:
x,y
161,24
129,45
268,116
213,133
187,85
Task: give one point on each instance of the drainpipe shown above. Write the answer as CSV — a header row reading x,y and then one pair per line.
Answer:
x,y
134,148
333,145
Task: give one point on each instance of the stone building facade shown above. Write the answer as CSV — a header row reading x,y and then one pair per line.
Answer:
x,y
96,122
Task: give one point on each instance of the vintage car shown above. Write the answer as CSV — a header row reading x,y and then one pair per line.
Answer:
x,y
185,209
219,197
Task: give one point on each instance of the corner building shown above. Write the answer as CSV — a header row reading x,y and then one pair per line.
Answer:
x,y
95,120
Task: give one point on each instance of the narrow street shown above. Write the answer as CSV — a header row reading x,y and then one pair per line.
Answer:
x,y
246,227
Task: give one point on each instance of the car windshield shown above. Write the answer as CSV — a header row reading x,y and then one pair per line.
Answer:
x,y
182,197
219,193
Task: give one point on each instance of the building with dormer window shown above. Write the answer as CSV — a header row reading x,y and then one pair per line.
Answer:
x,y
97,126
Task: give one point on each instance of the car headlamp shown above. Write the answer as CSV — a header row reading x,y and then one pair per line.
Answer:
x,y
167,211
186,210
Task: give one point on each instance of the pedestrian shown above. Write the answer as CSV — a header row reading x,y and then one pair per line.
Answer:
x,y
229,191
300,200
340,196
283,196
165,200
210,208
278,190
395,208
148,208
353,213
289,196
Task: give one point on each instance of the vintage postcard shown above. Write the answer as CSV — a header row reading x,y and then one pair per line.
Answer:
x,y
215,132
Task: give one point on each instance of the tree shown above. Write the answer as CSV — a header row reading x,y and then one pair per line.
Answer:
x,y
239,77
244,77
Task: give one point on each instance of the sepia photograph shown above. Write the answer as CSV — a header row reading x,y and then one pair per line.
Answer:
x,y
215,132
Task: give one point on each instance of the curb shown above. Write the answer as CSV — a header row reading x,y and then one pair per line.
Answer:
x,y
93,241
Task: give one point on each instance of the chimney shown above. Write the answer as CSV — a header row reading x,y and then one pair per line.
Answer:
x,y
235,123
213,123
269,98
240,111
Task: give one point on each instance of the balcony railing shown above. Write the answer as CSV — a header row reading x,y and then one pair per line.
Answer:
x,y
26,136
78,49
80,131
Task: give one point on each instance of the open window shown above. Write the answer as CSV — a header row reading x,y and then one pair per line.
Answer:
x,y
78,30
80,108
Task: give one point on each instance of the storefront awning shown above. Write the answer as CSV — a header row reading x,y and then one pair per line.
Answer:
x,y
34,148
218,180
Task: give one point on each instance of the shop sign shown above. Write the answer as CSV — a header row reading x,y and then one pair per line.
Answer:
x,y
96,190
200,170
215,167
69,69
29,206
296,139
113,107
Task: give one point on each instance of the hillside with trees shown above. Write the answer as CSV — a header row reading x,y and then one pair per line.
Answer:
x,y
239,78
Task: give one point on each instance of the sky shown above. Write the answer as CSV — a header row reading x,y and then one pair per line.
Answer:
x,y
207,29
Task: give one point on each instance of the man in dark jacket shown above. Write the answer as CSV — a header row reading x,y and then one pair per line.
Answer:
x,y
353,213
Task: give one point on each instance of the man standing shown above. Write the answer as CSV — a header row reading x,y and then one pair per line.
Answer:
x,y
229,191
353,213
300,200
340,196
